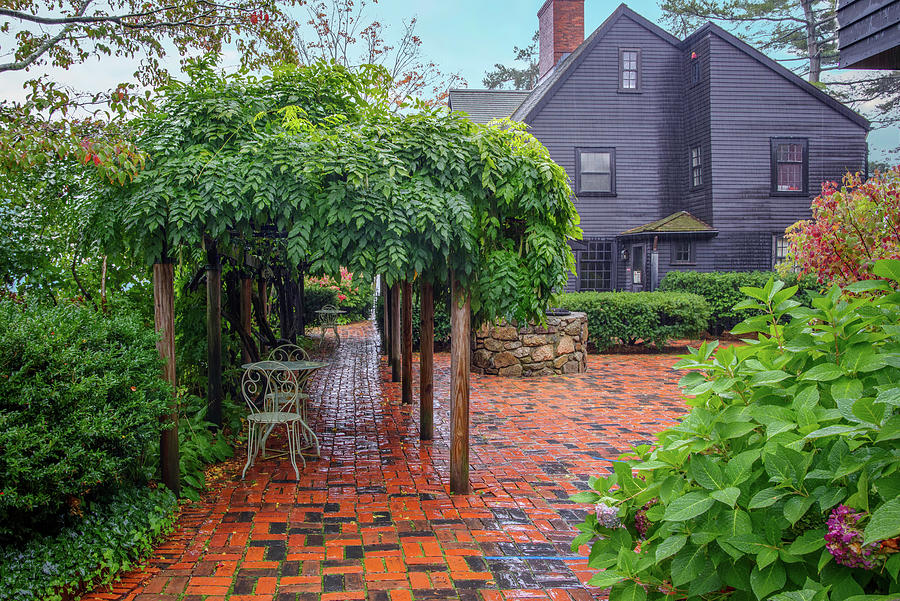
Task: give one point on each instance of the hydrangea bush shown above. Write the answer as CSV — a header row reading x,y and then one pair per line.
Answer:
x,y
783,482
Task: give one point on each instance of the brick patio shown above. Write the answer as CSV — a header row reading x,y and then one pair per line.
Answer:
x,y
372,518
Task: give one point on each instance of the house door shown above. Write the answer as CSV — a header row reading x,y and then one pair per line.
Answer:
x,y
638,269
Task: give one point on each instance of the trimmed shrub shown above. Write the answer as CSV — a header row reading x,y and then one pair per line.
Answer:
x,y
80,403
629,317
314,298
783,482
722,291
110,536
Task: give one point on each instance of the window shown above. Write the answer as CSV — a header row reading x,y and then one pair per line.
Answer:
x,y
682,251
696,167
595,266
595,171
779,249
790,163
696,69
629,70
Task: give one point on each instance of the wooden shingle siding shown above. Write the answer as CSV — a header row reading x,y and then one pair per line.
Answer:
x,y
644,128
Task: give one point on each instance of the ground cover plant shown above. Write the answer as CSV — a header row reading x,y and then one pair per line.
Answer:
x,y
629,317
783,482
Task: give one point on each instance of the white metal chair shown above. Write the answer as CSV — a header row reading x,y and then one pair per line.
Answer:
x,y
257,385
297,403
328,321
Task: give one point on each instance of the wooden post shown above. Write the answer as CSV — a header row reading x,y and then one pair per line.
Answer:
x,y
426,362
386,316
246,294
263,292
164,314
395,333
460,350
406,354
213,335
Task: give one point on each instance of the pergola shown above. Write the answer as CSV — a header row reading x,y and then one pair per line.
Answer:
x,y
313,158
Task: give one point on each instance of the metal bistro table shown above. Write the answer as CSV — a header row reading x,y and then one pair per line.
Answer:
x,y
328,320
297,367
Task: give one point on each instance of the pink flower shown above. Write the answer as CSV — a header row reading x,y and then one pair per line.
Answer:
x,y
342,297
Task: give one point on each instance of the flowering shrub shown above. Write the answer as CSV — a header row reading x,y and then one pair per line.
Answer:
x,y
783,482
353,295
853,226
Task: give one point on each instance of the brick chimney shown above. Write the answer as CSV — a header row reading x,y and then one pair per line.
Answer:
x,y
561,24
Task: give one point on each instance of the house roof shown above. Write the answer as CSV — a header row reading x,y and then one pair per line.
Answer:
x,y
547,88
483,105
781,70
681,222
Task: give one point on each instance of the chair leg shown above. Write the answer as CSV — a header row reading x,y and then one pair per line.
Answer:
x,y
251,451
290,436
311,437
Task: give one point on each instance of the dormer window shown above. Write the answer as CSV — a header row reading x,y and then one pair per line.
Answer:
x,y
629,70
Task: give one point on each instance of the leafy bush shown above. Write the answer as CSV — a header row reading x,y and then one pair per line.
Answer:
x,y
852,226
627,317
80,403
111,536
352,294
314,298
782,483
722,290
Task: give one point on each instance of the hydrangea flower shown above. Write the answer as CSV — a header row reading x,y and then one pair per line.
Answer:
x,y
844,539
608,516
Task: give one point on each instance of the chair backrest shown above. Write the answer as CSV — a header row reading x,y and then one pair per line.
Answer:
x,y
288,352
262,387
330,317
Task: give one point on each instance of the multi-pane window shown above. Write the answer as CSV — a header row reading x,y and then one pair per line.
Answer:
x,y
595,269
596,171
789,165
630,70
780,249
682,251
696,69
696,167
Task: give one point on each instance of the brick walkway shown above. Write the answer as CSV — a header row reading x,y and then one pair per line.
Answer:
x,y
372,518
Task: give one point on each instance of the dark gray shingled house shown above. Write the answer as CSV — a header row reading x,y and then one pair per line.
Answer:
x,y
690,154
869,34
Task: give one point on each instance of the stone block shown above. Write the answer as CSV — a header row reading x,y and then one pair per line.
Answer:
x,y
512,371
573,328
560,361
572,367
566,345
543,353
493,345
534,339
483,331
521,352
509,346
481,358
505,333
505,359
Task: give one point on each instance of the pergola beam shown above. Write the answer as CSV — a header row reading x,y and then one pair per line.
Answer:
x,y
460,349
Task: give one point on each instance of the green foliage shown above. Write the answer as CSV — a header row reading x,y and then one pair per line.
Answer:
x,y
441,316
852,227
735,497
112,535
80,402
353,294
627,317
314,298
722,290
315,154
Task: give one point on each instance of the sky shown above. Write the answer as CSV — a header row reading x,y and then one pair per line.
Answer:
x,y
462,36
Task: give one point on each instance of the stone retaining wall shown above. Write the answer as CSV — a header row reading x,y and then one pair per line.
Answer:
x,y
557,348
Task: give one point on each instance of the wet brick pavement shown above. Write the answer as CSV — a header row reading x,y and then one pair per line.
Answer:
x,y
373,518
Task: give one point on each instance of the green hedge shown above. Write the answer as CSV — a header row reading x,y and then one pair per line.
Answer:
x,y
629,317
721,289
80,404
314,298
110,536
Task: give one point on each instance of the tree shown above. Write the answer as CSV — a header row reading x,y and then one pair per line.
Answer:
x,y
523,77
803,33
853,226
339,31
